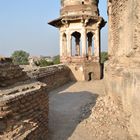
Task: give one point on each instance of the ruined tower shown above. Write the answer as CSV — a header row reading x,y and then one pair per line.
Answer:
x,y
80,24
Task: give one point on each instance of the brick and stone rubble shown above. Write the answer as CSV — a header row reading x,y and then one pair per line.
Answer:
x,y
107,121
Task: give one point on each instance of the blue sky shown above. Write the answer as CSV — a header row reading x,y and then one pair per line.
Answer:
x,y
23,26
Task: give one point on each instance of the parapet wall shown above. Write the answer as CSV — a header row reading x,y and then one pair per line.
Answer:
x,y
122,71
24,113
24,99
53,76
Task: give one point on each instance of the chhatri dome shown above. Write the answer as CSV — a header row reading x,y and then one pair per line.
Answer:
x,y
80,49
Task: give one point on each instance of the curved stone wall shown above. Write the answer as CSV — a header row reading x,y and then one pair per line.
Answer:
x,y
79,7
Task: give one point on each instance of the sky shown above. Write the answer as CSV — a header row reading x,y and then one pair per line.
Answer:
x,y
23,26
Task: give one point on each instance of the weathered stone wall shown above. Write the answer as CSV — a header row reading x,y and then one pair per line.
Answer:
x,y
122,71
85,71
23,105
10,74
24,113
54,76
24,101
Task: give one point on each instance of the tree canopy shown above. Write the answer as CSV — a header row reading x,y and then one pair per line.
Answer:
x,y
56,59
44,63
20,57
104,57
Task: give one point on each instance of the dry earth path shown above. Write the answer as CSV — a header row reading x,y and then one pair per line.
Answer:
x,y
66,108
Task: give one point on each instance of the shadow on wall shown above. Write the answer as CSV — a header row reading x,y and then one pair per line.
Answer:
x,y
67,110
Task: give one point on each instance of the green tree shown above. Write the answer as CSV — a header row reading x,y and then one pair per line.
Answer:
x,y
56,59
104,57
20,57
44,63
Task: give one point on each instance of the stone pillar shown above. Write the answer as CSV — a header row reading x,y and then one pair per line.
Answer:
x,y
97,44
69,45
89,46
77,41
65,46
61,44
84,38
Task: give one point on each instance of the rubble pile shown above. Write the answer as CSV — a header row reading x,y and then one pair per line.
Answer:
x,y
107,121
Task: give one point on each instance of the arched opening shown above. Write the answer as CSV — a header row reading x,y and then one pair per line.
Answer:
x,y
90,76
76,44
90,44
64,44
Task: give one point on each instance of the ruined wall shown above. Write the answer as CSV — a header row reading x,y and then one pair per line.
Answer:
x,y
24,113
24,102
10,74
54,76
23,105
122,71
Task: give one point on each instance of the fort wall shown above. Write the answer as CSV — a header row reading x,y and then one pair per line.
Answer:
x,y
122,71
24,102
53,76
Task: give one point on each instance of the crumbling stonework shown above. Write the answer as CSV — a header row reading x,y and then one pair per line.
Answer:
x,y
53,76
107,121
24,101
122,71
23,105
10,74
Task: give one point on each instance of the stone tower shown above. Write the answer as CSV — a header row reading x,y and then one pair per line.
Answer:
x,y
80,24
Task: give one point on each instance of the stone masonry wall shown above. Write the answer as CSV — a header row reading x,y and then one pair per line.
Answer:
x,y
10,74
24,114
54,76
122,71
23,105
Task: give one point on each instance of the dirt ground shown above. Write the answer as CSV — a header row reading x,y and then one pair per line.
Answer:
x,y
81,111
66,105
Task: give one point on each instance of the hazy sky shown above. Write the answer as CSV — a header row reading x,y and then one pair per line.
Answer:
x,y
23,26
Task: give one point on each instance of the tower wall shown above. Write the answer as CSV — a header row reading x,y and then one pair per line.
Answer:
x,y
122,71
79,7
